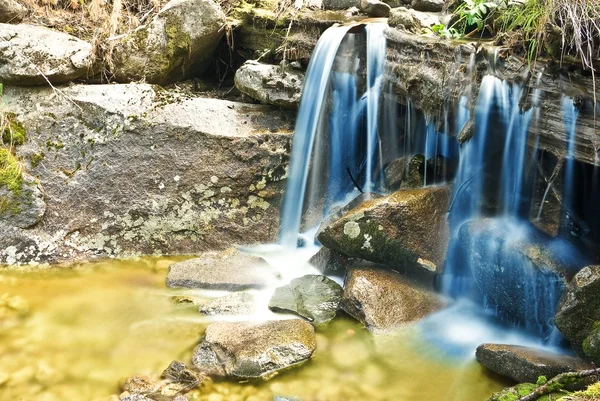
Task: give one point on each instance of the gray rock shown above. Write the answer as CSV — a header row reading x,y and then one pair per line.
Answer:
x,y
180,39
31,54
340,4
385,301
405,229
229,270
23,208
578,313
142,170
428,5
237,303
375,8
524,364
254,350
178,372
515,266
12,12
403,18
330,262
141,385
313,297
270,84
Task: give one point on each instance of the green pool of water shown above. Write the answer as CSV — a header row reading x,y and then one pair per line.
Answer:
x,y
74,333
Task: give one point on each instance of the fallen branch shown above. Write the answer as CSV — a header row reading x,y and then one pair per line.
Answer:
x,y
559,382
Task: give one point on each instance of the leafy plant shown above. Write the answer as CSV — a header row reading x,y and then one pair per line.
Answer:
x,y
475,12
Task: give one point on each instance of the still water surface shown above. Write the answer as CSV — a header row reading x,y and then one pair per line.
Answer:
x,y
74,333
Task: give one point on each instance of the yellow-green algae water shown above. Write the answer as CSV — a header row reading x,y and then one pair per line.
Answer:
x,y
73,333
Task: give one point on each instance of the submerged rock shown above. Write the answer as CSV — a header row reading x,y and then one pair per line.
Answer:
x,y
524,364
313,297
521,272
181,38
229,270
384,300
12,12
270,84
141,385
254,350
178,372
34,55
237,303
405,229
578,313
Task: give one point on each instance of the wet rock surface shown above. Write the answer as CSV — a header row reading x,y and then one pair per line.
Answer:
x,y
385,301
254,350
524,364
578,313
170,173
34,55
229,270
179,40
330,262
312,297
237,303
270,84
405,229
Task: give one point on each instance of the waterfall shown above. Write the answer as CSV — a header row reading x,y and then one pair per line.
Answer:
x,y
336,146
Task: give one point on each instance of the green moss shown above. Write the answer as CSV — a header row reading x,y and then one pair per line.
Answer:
x,y
542,380
37,158
10,172
13,133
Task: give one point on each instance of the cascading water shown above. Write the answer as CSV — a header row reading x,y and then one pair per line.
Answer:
x,y
336,146
347,132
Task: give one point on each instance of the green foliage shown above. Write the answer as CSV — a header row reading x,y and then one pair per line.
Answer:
x,y
541,380
528,19
475,13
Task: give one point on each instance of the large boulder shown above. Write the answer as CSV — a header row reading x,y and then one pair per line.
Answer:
x,y
520,272
270,84
142,170
12,12
340,4
330,262
254,350
34,55
385,301
578,314
375,8
180,39
524,364
229,270
411,20
313,297
403,229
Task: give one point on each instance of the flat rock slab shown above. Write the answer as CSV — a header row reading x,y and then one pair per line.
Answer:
x,y
230,270
524,364
237,303
313,297
384,300
31,55
254,350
